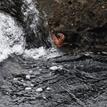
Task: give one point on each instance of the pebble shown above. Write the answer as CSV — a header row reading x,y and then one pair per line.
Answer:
x,y
39,90
28,88
32,85
48,88
15,79
87,54
27,76
53,68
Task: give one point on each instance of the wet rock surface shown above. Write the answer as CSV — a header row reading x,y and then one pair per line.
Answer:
x,y
78,81
83,22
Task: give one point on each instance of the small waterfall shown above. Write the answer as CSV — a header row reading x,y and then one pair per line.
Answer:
x,y
11,37
23,30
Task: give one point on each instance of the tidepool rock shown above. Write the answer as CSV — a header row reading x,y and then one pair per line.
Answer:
x,y
84,22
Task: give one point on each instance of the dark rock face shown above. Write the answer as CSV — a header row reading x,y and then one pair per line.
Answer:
x,y
27,15
85,18
65,81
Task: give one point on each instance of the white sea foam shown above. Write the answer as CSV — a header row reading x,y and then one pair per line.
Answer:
x,y
42,53
11,37
34,53
12,41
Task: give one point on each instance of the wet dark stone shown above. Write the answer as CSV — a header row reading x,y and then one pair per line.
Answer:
x,y
80,82
83,22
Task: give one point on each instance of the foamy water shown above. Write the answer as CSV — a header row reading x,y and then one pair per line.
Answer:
x,y
11,37
42,53
34,53
12,41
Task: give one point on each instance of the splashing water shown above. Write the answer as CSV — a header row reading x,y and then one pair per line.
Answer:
x,y
34,53
11,37
12,33
42,53
12,41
